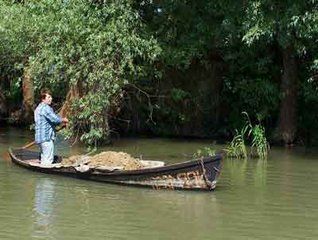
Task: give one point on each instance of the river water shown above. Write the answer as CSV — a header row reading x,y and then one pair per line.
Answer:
x,y
254,199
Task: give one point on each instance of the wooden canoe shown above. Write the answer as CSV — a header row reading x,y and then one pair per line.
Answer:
x,y
198,174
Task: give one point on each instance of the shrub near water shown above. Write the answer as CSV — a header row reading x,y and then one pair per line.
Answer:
x,y
259,142
237,147
204,152
255,134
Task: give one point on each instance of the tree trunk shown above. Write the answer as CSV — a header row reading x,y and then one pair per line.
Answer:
x,y
28,97
75,92
3,107
287,118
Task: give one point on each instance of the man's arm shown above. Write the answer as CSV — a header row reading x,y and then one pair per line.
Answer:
x,y
51,116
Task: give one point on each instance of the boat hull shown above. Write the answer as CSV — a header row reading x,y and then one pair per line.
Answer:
x,y
198,174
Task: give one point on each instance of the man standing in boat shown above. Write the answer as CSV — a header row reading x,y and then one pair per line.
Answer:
x,y
45,122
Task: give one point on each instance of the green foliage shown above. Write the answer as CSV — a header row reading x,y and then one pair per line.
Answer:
x,y
99,46
308,116
185,29
237,147
259,141
204,152
255,92
13,93
256,133
264,19
179,94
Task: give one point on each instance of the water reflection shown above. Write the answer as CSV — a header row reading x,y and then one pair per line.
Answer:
x,y
242,172
260,173
237,169
44,200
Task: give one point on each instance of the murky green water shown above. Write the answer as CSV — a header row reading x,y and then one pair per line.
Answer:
x,y
273,199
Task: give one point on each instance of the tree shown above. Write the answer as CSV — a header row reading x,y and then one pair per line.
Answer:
x,y
88,49
93,49
289,24
18,41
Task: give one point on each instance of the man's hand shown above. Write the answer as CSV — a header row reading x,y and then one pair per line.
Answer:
x,y
64,120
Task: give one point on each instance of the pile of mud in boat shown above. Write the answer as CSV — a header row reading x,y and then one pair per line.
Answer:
x,y
109,159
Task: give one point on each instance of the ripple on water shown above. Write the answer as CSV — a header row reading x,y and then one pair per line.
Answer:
x,y
275,199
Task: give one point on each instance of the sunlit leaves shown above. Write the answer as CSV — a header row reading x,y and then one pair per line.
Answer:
x,y
285,21
102,45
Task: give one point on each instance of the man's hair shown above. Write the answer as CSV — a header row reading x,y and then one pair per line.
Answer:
x,y
44,91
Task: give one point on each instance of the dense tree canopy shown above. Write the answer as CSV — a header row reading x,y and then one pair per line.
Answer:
x,y
178,68
93,48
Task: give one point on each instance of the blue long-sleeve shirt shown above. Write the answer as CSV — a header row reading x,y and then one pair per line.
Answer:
x,y
45,121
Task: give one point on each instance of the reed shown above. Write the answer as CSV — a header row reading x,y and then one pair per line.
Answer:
x,y
237,147
255,134
260,144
